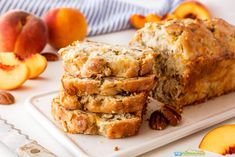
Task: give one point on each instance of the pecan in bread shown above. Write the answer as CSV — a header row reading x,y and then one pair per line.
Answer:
x,y
107,86
104,104
108,125
92,59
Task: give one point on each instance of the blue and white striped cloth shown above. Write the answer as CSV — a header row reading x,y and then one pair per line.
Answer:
x,y
103,16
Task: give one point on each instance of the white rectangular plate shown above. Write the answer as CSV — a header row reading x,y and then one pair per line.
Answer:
x,y
195,118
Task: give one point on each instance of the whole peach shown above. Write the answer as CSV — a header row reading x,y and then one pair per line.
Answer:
x,y
22,33
65,25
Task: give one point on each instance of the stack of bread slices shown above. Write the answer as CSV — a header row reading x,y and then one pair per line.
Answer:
x,y
104,89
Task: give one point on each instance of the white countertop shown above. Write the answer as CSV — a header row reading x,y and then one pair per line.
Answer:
x,y
49,80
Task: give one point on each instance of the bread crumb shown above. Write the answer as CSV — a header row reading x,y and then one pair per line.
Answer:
x,y
116,148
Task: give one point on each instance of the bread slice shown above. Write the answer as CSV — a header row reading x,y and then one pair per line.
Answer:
x,y
107,86
108,125
92,59
195,59
105,104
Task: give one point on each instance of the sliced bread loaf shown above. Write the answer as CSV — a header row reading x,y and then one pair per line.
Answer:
x,y
105,104
108,125
107,86
92,59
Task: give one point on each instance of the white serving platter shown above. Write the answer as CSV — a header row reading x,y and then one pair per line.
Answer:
x,y
195,118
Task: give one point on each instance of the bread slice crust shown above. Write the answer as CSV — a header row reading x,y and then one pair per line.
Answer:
x,y
91,59
104,104
109,125
107,86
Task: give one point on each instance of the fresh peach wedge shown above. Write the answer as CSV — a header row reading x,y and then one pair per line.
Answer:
x,y
153,18
13,76
192,9
137,21
36,64
9,58
220,140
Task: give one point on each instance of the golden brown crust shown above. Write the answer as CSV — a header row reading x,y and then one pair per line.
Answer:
x,y
107,86
124,128
224,33
218,81
105,104
108,125
196,59
91,59
74,121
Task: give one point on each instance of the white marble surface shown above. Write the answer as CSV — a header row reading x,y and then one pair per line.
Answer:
x,y
49,80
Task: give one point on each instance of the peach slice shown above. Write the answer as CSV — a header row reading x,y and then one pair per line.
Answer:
x,y
192,9
36,64
153,18
220,140
137,21
9,58
13,76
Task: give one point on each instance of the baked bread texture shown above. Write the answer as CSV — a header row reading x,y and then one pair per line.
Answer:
x,y
133,102
91,59
195,59
108,125
107,86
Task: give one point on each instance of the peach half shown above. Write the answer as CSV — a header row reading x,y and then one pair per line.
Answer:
x,y
220,140
192,9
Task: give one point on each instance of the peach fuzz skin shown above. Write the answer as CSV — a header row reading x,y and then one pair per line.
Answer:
x,y
65,25
22,33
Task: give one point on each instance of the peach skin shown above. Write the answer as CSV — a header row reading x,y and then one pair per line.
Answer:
x,y
65,25
137,21
22,33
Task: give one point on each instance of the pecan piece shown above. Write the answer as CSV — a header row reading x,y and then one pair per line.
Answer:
x,y
50,56
116,148
158,121
172,114
6,98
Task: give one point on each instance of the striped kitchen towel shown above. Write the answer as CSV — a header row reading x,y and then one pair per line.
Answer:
x,y
103,16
